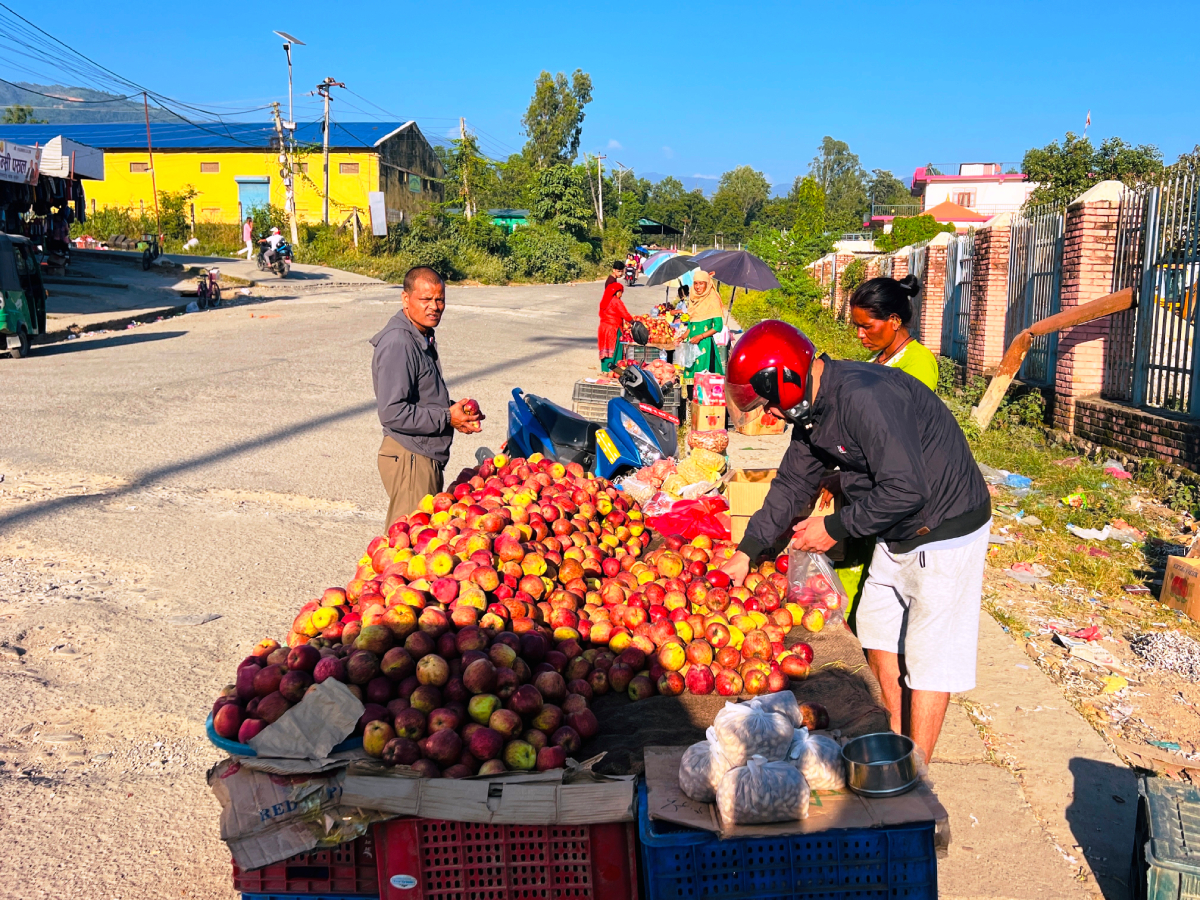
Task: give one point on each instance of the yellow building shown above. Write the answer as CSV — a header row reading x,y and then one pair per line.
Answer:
x,y
238,167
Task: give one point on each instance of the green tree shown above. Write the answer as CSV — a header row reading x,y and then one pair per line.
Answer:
x,y
911,230
1187,164
19,114
843,180
174,212
470,177
515,181
746,188
561,199
1064,171
808,199
884,188
554,120
689,211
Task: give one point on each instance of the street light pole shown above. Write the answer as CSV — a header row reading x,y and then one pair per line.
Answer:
x,y
289,183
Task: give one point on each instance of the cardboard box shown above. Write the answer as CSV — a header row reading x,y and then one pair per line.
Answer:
x,y
1181,586
707,418
747,490
558,797
826,810
710,389
737,528
753,424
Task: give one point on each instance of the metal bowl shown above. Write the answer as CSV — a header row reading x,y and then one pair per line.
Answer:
x,y
880,765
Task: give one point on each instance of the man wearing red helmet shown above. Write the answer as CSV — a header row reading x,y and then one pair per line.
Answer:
x,y
908,479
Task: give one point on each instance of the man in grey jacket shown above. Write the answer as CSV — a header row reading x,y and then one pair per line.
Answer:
x,y
418,418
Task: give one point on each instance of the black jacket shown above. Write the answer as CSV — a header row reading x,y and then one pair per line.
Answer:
x,y
908,476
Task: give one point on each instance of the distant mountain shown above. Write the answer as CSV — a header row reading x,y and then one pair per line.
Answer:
x,y
57,109
689,182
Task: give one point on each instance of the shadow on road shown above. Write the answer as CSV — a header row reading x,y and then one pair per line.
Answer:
x,y
1102,815
34,511
117,340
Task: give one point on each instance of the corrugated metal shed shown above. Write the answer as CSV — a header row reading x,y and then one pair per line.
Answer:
x,y
207,136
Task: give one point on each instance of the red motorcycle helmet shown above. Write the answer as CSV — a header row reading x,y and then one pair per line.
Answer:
x,y
770,365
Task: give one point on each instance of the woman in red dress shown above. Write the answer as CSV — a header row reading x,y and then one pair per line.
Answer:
x,y
613,315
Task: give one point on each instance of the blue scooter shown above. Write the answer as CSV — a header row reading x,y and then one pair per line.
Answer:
x,y
637,433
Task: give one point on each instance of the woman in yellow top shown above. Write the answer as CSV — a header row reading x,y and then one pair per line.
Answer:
x,y
881,310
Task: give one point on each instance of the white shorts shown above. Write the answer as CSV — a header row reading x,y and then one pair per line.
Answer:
x,y
925,606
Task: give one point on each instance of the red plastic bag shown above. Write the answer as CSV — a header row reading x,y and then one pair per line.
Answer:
x,y
691,518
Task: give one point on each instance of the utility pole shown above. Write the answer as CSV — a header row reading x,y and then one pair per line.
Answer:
x,y
323,90
153,177
288,172
468,204
600,181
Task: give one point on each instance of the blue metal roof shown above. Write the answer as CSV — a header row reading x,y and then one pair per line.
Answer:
x,y
204,136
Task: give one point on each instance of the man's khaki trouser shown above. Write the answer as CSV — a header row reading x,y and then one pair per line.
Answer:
x,y
407,477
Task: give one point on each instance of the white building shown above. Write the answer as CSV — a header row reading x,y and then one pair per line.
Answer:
x,y
983,188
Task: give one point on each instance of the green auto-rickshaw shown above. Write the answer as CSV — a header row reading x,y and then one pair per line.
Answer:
x,y
22,295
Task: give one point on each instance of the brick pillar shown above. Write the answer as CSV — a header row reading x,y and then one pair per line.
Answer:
x,y
934,293
989,296
1089,242
900,265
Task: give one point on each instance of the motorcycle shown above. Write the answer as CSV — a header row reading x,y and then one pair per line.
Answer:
x,y
630,275
637,432
208,288
281,264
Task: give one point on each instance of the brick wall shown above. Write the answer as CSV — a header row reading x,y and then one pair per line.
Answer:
x,y
1137,432
1089,241
840,299
934,279
989,297
900,265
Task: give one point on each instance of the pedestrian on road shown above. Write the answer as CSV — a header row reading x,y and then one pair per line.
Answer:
x,y
613,315
909,479
418,418
248,237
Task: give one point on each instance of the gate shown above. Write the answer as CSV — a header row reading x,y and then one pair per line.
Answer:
x,y
1034,282
918,255
1165,361
956,314
1117,384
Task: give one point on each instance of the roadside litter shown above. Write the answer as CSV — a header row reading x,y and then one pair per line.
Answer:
x,y
1116,470
1171,651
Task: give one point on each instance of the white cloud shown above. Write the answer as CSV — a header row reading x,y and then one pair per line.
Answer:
x,y
709,177
668,152
614,144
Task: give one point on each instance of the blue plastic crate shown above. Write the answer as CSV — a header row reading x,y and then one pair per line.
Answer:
x,y
685,864
309,897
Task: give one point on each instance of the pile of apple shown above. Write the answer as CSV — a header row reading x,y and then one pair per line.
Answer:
x,y
480,628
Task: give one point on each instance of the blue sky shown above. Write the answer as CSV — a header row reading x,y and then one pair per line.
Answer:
x,y
695,89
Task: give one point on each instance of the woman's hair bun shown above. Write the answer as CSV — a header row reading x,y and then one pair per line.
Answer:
x,y
911,284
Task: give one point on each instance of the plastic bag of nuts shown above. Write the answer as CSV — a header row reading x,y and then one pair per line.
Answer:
x,y
762,792
702,768
716,441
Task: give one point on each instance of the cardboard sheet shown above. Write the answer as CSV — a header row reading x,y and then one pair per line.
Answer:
x,y
826,810
533,799
314,726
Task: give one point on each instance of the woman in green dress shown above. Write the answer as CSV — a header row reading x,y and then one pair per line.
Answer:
x,y
706,319
881,310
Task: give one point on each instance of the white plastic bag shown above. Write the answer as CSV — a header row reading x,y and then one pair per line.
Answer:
x,y
819,759
761,792
785,704
702,768
686,354
746,729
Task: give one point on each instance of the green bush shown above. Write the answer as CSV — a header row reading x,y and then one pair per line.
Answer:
x,y
268,217
545,254
853,275
175,213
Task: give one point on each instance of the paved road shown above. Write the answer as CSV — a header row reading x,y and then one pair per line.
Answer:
x,y
223,464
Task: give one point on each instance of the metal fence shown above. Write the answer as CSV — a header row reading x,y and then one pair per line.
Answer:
x,y
956,313
918,256
1150,356
1034,282
1117,383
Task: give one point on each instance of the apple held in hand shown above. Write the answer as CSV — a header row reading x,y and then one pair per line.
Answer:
x,y
470,407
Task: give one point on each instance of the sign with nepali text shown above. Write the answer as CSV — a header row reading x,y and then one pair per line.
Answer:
x,y
18,163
